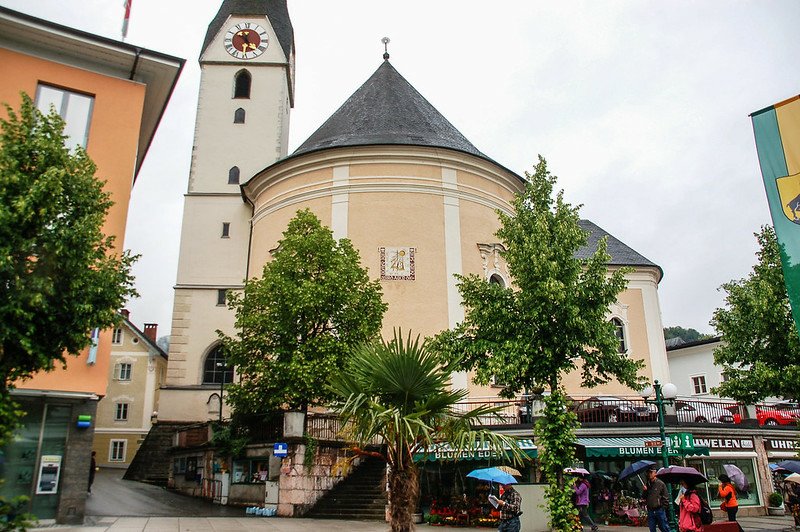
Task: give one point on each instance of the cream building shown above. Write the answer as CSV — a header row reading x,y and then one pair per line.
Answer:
x,y
386,170
124,416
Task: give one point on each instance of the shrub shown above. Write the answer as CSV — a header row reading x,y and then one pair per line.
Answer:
x,y
775,499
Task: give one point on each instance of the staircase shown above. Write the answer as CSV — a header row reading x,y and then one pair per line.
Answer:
x,y
360,496
152,461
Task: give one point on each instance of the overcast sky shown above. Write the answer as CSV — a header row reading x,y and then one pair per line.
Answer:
x,y
640,107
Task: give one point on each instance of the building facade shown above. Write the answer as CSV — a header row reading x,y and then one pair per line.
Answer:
x,y
112,96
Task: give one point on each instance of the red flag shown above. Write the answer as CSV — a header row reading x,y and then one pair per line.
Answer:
x,y
127,6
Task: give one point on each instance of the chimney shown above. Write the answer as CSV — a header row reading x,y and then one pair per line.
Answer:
x,y
150,330
125,313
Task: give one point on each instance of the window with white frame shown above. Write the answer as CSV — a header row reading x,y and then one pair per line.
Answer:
x,y
73,107
123,371
121,412
116,336
619,331
699,384
116,450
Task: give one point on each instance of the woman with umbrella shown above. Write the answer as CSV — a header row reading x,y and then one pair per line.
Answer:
x,y
688,501
582,494
728,495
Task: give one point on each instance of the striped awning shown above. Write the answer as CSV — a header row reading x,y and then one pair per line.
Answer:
x,y
633,446
444,451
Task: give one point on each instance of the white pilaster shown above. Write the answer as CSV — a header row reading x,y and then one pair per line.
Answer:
x,y
452,250
340,201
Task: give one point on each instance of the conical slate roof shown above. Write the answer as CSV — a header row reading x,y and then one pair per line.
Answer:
x,y
386,109
275,10
621,253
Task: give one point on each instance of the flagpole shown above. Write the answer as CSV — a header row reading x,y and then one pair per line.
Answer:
x,y
127,6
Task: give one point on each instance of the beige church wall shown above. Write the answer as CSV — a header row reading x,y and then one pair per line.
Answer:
x,y
191,405
268,230
292,189
490,188
206,258
398,219
402,173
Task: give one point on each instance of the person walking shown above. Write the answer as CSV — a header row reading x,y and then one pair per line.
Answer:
x,y
582,501
509,503
92,470
793,501
727,492
689,509
657,501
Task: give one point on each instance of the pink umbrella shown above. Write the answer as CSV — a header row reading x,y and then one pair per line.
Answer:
x,y
576,471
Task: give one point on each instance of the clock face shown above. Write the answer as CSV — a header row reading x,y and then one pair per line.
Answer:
x,y
246,40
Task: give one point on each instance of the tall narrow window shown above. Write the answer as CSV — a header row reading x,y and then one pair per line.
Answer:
x,y
241,84
233,176
116,336
226,229
238,116
121,412
222,295
117,451
216,368
620,332
74,108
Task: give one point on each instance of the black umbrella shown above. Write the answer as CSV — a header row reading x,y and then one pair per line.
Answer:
x,y
674,474
635,468
791,465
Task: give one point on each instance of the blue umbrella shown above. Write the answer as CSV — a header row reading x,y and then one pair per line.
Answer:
x,y
790,465
635,468
492,474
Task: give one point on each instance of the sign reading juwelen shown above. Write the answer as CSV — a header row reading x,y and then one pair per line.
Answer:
x,y
777,132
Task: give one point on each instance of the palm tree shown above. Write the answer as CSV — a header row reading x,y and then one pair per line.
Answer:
x,y
398,392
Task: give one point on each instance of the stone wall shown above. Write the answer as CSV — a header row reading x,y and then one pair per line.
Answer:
x,y
75,473
301,484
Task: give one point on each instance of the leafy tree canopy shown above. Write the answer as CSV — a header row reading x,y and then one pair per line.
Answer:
x,y
687,335
761,349
60,275
296,324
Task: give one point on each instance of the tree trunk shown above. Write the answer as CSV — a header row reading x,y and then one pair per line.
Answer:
x,y
403,497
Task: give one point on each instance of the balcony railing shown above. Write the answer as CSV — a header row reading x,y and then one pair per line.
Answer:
x,y
510,411
699,411
608,409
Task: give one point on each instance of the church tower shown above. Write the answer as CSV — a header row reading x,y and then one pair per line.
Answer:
x,y
242,126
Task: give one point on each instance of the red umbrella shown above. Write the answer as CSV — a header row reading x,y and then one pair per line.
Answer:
x,y
674,474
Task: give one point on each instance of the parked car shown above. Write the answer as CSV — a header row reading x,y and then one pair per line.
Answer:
x,y
700,412
608,409
783,413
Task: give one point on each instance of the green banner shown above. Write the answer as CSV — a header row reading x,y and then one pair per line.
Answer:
x,y
777,133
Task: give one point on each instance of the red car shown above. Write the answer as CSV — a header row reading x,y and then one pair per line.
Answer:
x,y
785,413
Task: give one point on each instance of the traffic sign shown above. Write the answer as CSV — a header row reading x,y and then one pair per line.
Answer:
x,y
280,450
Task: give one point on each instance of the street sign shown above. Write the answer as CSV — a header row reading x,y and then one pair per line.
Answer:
x,y
280,450
681,441
653,443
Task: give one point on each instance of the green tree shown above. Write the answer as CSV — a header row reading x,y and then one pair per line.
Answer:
x,y
760,352
687,335
60,276
296,324
399,391
553,321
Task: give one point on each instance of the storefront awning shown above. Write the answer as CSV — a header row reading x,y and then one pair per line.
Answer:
x,y
444,451
631,446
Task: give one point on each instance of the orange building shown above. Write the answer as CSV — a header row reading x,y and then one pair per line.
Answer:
x,y
112,96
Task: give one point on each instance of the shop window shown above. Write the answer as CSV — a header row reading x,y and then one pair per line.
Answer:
x,y
123,371
713,467
116,336
619,330
241,84
253,471
121,412
74,108
233,175
216,368
699,384
116,451
238,116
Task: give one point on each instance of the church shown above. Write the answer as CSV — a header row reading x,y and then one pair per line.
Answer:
x,y
386,170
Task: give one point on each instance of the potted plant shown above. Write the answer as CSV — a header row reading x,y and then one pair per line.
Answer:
x,y
775,504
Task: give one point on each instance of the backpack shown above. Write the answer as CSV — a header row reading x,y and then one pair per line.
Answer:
x,y
706,517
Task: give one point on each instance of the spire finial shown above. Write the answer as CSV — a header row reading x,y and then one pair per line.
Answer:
x,y
385,42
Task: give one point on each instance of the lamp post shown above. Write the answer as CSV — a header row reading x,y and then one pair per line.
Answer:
x,y
665,393
222,367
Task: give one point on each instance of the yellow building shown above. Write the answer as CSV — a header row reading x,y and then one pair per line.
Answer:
x,y
137,369
112,96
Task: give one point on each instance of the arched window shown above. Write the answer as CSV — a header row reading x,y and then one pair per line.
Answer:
x,y
233,176
620,332
216,368
238,116
496,279
241,84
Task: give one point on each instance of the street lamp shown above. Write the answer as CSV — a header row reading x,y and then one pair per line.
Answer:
x,y
665,393
222,366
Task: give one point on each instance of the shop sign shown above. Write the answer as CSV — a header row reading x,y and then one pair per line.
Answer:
x,y
653,443
726,444
681,441
780,445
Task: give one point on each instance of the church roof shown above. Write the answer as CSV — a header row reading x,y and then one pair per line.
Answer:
x,y
621,254
386,109
275,10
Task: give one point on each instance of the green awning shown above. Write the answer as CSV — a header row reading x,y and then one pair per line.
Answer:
x,y
443,451
631,446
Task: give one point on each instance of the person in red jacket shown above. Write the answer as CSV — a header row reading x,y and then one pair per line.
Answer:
x,y
689,505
